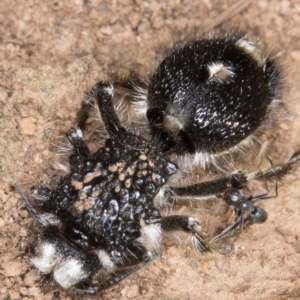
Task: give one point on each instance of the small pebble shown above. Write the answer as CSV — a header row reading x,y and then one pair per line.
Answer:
x,y
106,30
11,269
27,127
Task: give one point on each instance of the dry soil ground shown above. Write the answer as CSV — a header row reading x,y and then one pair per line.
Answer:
x,y
50,53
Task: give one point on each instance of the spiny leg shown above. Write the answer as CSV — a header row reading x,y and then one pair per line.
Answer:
x,y
238,179
187,224
276,172
119,277
132,88
104,93
217,186
137,253
45,219
77,142
41,194
135,256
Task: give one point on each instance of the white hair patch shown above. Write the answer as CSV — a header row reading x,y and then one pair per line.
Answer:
x,y
76,133
151,237
49,219
219,72
160,198
62,167
69,273
109,89
105,260
173,123
193,223
202,159
251,49
140,103
48,257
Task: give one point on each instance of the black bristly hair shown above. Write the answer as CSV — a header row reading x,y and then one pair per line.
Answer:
x,y
211,94
207,96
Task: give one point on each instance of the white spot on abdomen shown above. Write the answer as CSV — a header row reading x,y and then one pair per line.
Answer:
x,y
219,72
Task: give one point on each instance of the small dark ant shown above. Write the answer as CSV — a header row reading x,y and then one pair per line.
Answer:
x,y
246,213
245,210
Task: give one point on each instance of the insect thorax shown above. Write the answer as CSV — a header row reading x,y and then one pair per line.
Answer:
x,y
105,196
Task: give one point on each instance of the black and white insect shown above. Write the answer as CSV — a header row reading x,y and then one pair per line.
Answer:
x,y
206,98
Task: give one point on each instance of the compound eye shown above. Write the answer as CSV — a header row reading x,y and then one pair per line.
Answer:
x,y
233,197
258,215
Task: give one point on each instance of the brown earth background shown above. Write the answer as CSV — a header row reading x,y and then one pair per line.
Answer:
x,y
51,52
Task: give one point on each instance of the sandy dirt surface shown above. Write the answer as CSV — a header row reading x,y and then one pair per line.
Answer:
x,y
51,52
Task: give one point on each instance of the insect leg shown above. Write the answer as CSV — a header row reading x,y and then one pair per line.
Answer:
x,y
187,224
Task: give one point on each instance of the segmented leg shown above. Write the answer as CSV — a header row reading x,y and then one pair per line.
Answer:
x,y
213,187
246,212
237,180
187,224
77,142
119,277
133,89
